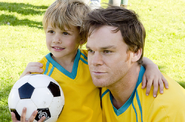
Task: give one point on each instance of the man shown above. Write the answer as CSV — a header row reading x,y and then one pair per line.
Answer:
x,y
115,40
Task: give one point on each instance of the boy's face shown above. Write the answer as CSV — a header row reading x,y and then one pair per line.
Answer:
x,y
62,43
108,58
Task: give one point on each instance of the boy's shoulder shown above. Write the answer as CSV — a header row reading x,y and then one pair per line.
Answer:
x,y
44,59
81,55
84,52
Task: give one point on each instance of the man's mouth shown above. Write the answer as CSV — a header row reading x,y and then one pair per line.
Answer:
x,y
98,72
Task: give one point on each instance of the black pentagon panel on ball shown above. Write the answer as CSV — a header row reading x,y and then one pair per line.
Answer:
x,y
16,114
26,91
43,112
54,88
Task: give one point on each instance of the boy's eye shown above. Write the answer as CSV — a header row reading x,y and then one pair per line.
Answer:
x,y
50,31
65,33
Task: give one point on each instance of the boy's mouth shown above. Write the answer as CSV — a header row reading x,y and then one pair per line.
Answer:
x,y
58,48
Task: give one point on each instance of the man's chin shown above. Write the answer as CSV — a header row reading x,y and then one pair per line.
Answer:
x,y
99,83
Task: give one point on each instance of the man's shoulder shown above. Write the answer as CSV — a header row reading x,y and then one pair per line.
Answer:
x,y
175,92
175,95
167,105
174,87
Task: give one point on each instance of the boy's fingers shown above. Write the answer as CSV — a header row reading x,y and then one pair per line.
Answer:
x,y
42,119
144,82
35,64
31,119
155,88
35,69
39,64
161,86
165,83
32,67
14,119
149,84
23,115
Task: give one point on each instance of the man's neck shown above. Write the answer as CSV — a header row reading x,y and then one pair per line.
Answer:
x,y
122,90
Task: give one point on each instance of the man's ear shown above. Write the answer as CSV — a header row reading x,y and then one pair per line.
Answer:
x,y
136,56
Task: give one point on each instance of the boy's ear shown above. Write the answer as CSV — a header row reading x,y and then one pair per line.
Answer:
x,y
82,41
136,56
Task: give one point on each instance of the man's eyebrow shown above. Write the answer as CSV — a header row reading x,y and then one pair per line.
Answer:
x,y
108,47
103,48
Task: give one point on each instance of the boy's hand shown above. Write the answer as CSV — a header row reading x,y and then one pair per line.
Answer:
x,y
32,67
23,117
153,76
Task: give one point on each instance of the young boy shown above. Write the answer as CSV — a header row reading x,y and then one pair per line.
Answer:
x,y
67,64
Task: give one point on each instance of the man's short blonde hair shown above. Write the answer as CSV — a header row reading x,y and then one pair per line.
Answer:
x,y
66,13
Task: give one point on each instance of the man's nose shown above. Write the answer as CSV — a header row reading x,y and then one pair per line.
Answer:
x,y
97,59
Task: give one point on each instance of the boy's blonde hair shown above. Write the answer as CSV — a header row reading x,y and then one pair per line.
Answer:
x,y
67,13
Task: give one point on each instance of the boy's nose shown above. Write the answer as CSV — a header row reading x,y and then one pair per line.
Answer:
x,y
57,39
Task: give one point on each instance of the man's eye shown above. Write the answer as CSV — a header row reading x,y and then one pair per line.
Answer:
x,y
90,51
107,51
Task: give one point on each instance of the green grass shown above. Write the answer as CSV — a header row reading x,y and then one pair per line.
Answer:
x,y
22,39
165,26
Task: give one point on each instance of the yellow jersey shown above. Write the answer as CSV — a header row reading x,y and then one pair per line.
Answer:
x,y
82,97
167,107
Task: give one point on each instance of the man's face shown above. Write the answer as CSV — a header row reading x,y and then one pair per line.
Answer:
x,y
108,57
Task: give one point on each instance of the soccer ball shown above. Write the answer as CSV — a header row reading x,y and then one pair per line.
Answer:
x,y
37,92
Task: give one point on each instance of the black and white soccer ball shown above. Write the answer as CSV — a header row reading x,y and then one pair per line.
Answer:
x,y
37,92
